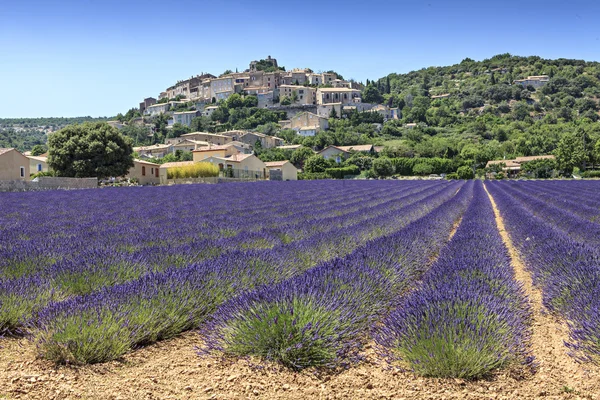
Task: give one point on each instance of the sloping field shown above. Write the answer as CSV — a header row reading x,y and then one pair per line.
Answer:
x,y
357,289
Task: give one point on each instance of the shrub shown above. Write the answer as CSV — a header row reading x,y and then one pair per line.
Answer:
x,y
196,170
383,167
308,176
591,174
453,175
316,164
340,173
422,169
465,173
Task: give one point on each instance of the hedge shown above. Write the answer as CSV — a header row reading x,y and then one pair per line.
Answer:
x,y
340,173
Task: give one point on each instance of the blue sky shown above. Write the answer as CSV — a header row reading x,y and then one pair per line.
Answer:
x,y
98,58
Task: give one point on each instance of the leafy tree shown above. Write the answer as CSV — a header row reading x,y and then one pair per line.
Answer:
x,y
90,150
250,101
234,101
422,169
201,124
465,172
38,150
300,155
540,169
178,129
315,164
383,166
139,134
372,95
570,153
333,113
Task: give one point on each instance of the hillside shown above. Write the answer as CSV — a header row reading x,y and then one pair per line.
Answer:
x,y
24,133
475,110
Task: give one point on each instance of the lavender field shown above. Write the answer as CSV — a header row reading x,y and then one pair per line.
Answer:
x,y
304,274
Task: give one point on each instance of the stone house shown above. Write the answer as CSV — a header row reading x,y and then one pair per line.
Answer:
x,y
146,173
282,170
13,165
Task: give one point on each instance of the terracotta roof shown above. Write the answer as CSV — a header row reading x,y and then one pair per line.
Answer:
x,y
153,147
338,90
289,147
276,163
176,164
184,112
186,135
211,148
234,158
238,157
146,162
361,147
507,163
531,158
38,158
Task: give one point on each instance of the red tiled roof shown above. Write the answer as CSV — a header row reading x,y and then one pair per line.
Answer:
x,y
275,163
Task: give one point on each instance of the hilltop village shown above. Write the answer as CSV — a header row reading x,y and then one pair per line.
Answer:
x,y
504,117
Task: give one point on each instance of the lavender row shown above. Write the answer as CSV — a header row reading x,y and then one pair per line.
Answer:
x,y
320,318
575,203
161,305
99,269
25,257
469,316
574,226
566,270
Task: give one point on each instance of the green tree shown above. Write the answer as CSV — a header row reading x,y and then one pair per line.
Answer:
x,y
422,169
315,164
250,101
90,150
178,129
570,153
38,150
301,155
234,101
383,166
540,169
372,95
465,172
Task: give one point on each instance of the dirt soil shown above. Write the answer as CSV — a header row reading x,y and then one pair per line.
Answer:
x,y
173,370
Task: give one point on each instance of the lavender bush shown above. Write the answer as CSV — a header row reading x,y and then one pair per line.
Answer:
x,y
469,316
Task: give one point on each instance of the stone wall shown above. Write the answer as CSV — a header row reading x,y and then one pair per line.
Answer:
x,y
48,183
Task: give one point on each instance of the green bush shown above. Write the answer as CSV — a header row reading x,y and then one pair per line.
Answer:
x,y
315,164
422,169
340,173
308,176
591,174
383,166
453,175
405,166
465,173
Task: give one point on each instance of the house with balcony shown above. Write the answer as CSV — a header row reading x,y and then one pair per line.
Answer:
x,y
338,95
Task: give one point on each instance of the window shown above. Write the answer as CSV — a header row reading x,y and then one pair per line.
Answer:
x,y
39,168
151,171
22,172
143,170
156,172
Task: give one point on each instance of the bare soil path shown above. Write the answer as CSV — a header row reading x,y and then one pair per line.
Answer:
x,y
549,332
